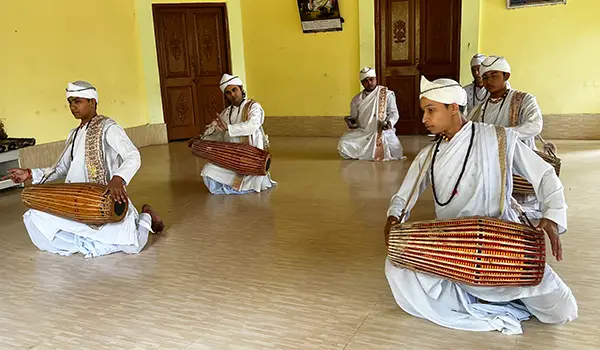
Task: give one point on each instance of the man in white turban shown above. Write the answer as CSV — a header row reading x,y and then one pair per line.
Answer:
x,y
504,106
240,122
510,108
469,169
98,151
373,114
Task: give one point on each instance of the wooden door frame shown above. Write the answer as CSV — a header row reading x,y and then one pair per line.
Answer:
x,y
378,58
156,8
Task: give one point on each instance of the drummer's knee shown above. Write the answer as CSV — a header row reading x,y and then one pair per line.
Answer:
x,y
558,307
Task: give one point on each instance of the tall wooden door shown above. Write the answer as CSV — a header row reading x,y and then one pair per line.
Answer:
x,y
192,43
414,38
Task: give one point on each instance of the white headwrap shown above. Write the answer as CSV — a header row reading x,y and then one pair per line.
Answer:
x,y
82,89
477,59
367,72
229,80
494,63
443,90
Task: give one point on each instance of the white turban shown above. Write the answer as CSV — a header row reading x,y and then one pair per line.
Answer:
x,y
477,60
494,63
82,89
367,72
445,91
229,80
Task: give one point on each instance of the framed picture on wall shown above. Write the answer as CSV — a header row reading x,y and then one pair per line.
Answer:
x,y
320,15
511,4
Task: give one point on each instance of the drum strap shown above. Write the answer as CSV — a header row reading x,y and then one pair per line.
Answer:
x,y
502,145
381,110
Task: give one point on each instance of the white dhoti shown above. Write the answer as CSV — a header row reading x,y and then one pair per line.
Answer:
x,y
66,237
456,306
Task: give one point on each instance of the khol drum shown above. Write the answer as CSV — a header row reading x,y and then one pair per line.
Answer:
x,y
82,202
477,251
240,158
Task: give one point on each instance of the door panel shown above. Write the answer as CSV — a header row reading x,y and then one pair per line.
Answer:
x,y
193,53
414,38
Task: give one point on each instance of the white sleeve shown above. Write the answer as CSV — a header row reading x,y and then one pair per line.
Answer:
x,y
256,117
400,199
530,119
118,140
548,187
392,108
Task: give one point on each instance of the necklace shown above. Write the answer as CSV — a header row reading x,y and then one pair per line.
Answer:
x,y
494,100
238,112
462,172
476,98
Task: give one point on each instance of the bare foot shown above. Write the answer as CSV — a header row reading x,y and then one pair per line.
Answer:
x,y
157,223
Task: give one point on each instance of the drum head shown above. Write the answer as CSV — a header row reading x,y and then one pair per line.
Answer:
x,y
120,208
268,166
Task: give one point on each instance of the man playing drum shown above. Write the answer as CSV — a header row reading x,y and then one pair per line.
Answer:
x,y
470,174
97,151
240,122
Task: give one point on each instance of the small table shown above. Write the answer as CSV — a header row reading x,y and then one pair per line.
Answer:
x,y
9,160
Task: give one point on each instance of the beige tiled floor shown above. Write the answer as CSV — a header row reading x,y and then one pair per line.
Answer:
x,y
298,267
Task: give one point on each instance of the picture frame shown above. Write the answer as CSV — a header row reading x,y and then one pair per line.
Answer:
x,y
320,15
513,4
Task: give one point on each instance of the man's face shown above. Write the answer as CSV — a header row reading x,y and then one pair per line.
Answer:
x,y
437,117
495,81
369,83
234,94
82,108
476,76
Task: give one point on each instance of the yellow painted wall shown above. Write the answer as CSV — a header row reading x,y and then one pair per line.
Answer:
x,y
45,44
295,74
552,50
469,38
151,79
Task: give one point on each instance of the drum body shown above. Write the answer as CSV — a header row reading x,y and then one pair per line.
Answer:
x,y
240,158
521,186
477,251
82,202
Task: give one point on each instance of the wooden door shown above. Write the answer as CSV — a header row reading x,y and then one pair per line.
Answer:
x,y
193,53
414,38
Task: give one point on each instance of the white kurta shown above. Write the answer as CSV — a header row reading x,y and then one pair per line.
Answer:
x,y
477,95
232,117
360,143
529,124
66,237
453,304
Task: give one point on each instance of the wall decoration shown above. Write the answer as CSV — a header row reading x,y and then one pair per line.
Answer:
x,y
511,4
320,15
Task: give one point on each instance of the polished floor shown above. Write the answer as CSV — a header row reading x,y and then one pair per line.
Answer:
x,y
297,267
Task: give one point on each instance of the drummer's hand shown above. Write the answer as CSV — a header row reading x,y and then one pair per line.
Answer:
x,y
391,220
116,187
220,125
18,175
551,229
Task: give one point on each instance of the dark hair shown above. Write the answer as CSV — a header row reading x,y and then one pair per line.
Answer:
x,y
461,109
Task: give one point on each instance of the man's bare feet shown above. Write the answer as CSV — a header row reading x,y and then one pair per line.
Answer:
x,y
157,223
